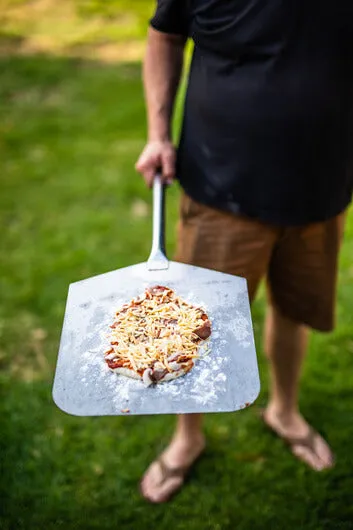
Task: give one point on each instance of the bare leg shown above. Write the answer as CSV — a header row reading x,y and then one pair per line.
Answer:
x,y
285,344
186,445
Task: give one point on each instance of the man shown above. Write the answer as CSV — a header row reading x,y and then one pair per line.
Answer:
x,y
266,164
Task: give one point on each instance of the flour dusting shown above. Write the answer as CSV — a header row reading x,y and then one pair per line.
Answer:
x,y
203,385
240,328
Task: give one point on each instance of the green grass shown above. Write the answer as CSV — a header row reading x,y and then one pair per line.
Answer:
x,y
71,206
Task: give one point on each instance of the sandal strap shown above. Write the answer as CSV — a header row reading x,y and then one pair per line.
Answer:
x,y
307,441
170,472
304,441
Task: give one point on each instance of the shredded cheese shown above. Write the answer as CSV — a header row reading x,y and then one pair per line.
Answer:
x,y
155,329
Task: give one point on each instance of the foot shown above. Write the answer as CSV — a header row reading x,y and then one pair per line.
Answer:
x,y
166,475
305,443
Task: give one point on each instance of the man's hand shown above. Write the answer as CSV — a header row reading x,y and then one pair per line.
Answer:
x,y
157,156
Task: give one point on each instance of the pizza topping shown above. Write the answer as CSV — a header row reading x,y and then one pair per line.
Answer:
x,y
174,366
110,356
147,377
116,363
156,334
204,331
157,375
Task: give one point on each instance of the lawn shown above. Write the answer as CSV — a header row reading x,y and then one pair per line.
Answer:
x,y
71,206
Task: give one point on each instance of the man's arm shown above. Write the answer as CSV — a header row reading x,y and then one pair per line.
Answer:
x,y
161,74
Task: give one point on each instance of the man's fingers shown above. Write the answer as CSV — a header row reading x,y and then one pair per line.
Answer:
x,y
157,156
148,172
149,176
168,166
147,165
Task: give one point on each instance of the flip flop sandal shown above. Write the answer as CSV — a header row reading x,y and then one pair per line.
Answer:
x,y
166,474
307,441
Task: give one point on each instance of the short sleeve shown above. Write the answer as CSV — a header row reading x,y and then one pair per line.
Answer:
x,y
171,16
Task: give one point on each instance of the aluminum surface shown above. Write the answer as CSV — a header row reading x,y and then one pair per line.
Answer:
x,y
225,380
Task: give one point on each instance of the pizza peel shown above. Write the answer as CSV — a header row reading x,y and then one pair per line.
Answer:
x,y
226,379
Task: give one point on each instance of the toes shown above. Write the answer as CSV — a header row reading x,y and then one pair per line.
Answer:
x,y
324,453
144,487
307,456
158,484
319,457
154,489
159,494
164,492
149,481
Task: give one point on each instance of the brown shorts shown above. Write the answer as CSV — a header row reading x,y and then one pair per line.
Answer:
x,y
299,263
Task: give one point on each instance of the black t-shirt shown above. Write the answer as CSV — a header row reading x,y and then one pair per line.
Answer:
x,y
268,120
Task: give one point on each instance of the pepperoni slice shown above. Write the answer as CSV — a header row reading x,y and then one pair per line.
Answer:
x,y
119,363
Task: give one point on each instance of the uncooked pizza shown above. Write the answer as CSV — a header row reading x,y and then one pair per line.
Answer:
x,y
156,337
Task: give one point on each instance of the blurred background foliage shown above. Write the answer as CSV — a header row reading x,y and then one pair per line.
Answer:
x,y
108,30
